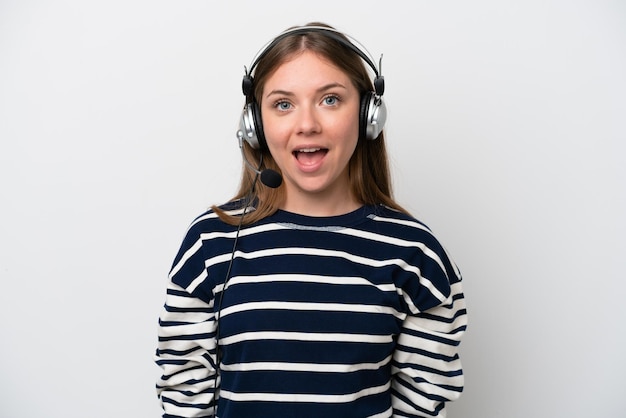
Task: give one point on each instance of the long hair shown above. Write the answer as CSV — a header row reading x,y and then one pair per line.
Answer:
x,y
369,173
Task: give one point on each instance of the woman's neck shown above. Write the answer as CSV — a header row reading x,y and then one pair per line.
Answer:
x,y
319,204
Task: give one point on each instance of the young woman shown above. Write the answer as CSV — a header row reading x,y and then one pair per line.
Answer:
x,y
312,293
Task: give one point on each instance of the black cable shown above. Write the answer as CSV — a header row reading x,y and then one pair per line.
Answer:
x,y
247,201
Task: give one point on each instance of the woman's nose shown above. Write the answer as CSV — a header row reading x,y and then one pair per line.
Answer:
x,y
308,120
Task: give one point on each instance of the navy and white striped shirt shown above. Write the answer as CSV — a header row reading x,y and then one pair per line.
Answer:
x,y
358,315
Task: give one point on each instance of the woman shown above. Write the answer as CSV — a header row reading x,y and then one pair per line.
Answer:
x,y
312,293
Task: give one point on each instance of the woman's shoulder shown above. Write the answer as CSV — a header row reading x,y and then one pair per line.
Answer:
x,y
209,220
393,216
406,227
430,255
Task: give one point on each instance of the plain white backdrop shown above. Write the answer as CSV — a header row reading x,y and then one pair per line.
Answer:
x,y
506,128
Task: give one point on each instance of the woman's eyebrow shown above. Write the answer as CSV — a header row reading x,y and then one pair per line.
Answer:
x,y
319,90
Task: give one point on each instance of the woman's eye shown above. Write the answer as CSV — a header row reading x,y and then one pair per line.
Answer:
x,y
331,100
283,105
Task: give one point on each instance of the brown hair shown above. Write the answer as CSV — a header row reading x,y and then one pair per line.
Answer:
x,y
368,167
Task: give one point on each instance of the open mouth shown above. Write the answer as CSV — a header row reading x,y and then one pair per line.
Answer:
x,y
309,156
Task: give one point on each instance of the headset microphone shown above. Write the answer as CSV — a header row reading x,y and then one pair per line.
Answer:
x,y
268,177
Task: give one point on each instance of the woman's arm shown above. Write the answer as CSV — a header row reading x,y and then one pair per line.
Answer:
x,y
186,350
186,354
427,370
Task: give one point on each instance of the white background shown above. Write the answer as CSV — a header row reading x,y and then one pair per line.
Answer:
x,y
506,127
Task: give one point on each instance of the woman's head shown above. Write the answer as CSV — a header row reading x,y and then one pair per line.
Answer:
x,y
367,168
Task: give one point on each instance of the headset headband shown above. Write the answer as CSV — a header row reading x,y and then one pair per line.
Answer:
x,y
340,37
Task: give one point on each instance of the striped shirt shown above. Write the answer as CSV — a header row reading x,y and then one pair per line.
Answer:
x,y
358,315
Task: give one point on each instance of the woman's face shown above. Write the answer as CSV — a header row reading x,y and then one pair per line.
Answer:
x,y
310,111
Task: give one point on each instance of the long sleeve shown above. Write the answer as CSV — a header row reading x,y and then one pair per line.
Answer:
x,y
426,365
186,349
186,353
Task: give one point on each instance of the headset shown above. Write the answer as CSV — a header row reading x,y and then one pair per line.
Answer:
x,y
372,113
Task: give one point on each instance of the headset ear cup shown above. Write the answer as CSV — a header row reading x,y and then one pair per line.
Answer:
x,y
372,116
247,129
258,124
250,126
365,104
